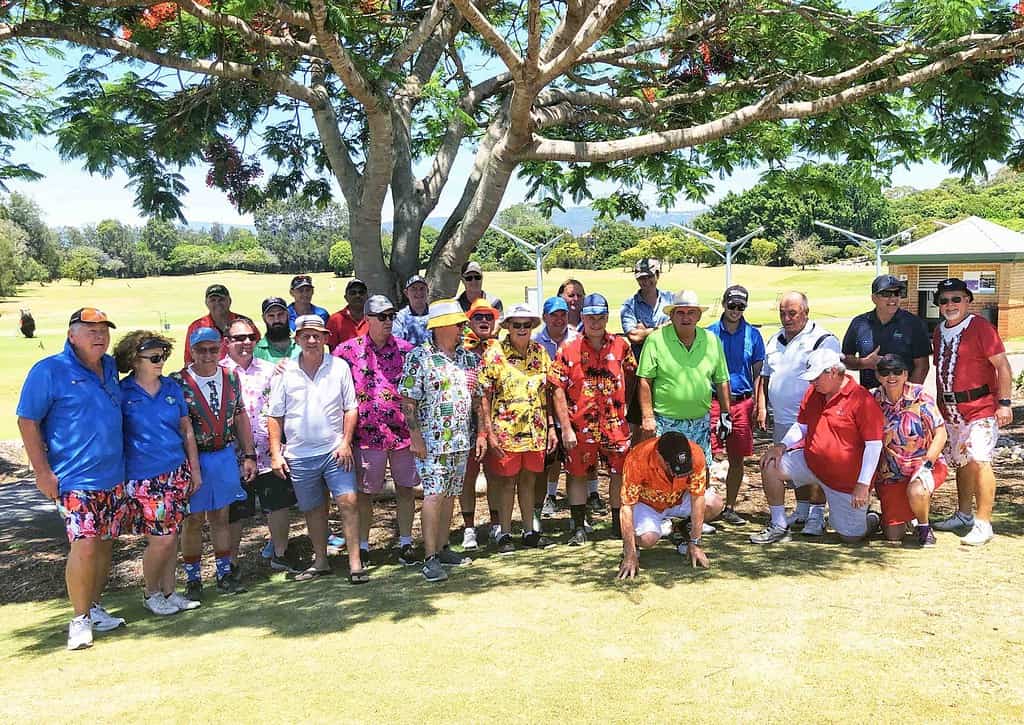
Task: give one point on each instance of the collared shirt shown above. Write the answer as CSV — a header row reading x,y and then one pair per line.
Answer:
x,y
962,363
213,428
265,351
517,385
465,302
635,310
644,479
79,417
784,363
152,428
411,327
743,349
208,321
681,378
318,311
256,381
342,326
376,372
910,425
905,335
594,382
836,432
314,408
550,345
444,388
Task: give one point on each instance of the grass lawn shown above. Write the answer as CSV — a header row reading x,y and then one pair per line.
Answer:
x,y
836,295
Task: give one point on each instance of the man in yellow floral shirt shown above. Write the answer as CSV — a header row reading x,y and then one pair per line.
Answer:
x,y
517,421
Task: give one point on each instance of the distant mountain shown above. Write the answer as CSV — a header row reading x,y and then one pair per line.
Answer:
x,y
580,219
205,226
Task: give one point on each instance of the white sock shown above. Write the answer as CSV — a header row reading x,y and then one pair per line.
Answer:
x,y
817,512
985,526
552,488
778,514
803,508
592,485
405,541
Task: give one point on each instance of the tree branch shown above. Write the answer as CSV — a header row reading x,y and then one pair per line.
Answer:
x,y
593,28
418,37
355,82
493,38
288,46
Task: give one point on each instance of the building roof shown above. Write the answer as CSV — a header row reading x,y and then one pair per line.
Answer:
x,y
970,240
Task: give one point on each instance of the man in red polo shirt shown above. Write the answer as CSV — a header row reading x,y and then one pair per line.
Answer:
x,y
219,317
662,478
350,320
835,443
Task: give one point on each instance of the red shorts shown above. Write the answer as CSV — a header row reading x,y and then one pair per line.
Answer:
x,y
584,457
472,469
741,441
96,514
893,497
512,463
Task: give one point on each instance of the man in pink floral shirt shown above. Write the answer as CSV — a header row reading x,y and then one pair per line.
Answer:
x,y
382,436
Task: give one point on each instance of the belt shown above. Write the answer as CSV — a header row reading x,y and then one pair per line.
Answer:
x,y
965,396
733,398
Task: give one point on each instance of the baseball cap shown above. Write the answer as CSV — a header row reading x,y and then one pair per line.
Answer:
x,y
354,282
472,267
415,279
377,304
90,314
891,361
310,322
218,290
203,334
646,267
952,284
674,448
886,281
736,293
301,280
819,361
594,304
555,304
274,302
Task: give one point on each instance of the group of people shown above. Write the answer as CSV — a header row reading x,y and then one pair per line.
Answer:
x,y
311,408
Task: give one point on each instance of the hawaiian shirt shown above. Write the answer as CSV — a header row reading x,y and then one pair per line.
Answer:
x,y
594,382
213,426
910,423
376,372
255,382
444,388
517,385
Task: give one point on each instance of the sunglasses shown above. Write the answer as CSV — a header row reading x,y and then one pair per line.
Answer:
x,y
520,325
156,359
482,317
245,338
357,291
889,293
736,306
951,300
473,277
205,351
888,373
386,316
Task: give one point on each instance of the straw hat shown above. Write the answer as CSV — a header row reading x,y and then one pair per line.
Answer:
x,y
442,313
684,298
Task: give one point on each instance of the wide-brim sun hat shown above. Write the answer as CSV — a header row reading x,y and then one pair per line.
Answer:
x,y
442,313
521,311
684,298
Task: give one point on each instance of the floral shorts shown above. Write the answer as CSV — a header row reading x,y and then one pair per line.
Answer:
x,y
95,514
442,474
160,503
697,430
974,441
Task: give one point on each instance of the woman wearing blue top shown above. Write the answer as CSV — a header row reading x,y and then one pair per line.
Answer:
x,y
161,461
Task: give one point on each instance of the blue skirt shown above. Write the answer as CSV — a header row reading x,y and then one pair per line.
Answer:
x,y
222,481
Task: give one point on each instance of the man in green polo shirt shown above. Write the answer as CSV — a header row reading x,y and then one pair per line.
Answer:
x,y
277,344
679,365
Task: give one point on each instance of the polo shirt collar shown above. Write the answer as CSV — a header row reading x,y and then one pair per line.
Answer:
x,y
740,328
808,328
107,363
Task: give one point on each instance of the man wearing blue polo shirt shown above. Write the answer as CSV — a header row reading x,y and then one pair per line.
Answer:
x,y
744,355
302,296
69,416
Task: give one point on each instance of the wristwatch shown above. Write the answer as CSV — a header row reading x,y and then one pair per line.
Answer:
x,y
698,541
1005,401
927,465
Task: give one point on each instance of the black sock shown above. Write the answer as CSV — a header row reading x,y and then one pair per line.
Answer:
x,y
616,525
494,517
467,519
579,515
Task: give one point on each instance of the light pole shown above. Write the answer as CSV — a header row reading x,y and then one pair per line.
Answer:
x,y
539,252
725,250
869,243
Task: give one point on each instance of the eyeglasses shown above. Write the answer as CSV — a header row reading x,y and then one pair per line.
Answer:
x,y
889,293
520,325
473,277
156,359
482,317
386,316
951,300
736,306
245,338
887,373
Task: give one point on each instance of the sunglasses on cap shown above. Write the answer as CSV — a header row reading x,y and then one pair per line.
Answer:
x,y
736,306
157,358
889,293
473,277
955,300
386,316
251,337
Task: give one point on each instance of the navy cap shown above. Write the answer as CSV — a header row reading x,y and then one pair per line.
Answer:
x,y
217,290
271,302
886,281
594,304
674,448
952,284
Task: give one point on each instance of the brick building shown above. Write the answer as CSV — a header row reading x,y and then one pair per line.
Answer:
x,y
989,257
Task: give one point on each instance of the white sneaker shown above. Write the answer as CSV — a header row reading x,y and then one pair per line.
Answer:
x,y
80,633
954,523
666,527
493,533
158,605
814,527
469,539
795,519
979,535
102,620
183,604
707,529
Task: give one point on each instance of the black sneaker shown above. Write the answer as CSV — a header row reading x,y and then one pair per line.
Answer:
x,y
505,545
578,538
535,540
229,585
279,563
874,522
595,504
729,516
364,558
407,556
194,590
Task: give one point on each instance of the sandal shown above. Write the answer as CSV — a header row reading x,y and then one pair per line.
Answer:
x,y
311,574
359,577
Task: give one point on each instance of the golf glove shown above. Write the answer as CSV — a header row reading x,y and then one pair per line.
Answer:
x,y
724,425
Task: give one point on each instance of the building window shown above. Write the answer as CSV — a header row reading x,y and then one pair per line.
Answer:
x,y
929,276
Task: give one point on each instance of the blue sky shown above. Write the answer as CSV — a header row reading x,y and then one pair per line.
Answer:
x,y
70,196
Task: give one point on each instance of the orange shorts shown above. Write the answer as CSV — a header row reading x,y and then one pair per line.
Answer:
x,y
893,497
512,463
585,456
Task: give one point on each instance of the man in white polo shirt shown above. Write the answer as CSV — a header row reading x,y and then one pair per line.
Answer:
x,y
786,354
313,402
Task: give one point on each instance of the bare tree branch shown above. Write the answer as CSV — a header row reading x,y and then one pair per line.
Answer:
x,y
483,26
593,28
341,61
414,41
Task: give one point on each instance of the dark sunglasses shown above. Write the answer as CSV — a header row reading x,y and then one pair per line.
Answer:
x,y
481,317
473,277
386,316
156,359
887,372
889,293
245,338
357,291
520,325
951,300
736,306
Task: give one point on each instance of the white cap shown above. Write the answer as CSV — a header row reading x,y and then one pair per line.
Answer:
x,y
819,361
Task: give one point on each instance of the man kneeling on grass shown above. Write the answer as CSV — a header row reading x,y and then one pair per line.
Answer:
x,y
664,478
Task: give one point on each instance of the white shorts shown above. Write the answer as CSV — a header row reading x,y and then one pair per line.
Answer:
x,y
974,441
843,516
646,520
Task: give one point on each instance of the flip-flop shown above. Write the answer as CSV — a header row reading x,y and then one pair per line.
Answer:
x,y
358,577
310,574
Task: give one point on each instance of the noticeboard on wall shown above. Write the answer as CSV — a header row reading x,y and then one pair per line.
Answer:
x,y
981,283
